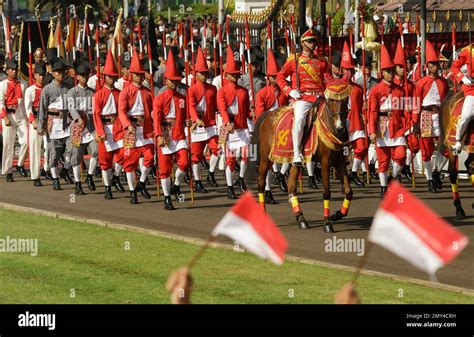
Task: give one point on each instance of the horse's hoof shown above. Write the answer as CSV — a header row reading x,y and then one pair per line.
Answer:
x,y
337,216
302,224
460,214
328,228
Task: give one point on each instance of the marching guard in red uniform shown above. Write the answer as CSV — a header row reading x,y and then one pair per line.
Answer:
x,y
234,106
387,121
134,109
203,107
109,132
430,92
169,117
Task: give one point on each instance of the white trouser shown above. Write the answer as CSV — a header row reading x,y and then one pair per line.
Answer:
x,y
301,109
46,153
36,142
18,125
467,114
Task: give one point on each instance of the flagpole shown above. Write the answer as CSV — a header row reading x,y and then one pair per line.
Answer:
x,y
186,70
361,263
200,252
39,28
30,57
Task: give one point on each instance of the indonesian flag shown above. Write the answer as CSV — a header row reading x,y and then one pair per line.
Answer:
x,y
251,227
405,226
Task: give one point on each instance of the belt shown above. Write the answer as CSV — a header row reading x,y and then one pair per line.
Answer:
x,y
56,112
137,120
168,122
35,112
385,113
314,93
108,119
11,109
431,108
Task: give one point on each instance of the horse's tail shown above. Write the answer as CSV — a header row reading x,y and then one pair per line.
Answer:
x,y
444,117
251,173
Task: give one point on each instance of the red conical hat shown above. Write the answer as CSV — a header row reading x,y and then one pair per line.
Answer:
x,y
201,64
399,54
385,59
272,65
231,65
431,55
135,64
171,71
346,61
110,69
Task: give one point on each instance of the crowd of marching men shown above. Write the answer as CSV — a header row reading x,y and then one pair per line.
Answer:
x,y
170,111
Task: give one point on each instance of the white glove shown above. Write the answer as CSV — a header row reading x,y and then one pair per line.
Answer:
x,y
457,147
295,94
464,80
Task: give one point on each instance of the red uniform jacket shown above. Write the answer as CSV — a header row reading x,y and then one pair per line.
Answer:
x,y
196,92
161,108
464,58
422,88
356,113
35,104
311,73
13,94
100,100
266,98
225,97
378,94
411,91
127,98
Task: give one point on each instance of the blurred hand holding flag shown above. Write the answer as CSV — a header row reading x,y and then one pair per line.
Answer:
x,y
252,228
405,226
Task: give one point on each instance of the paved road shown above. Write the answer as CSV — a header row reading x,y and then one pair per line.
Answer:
x,y
197,220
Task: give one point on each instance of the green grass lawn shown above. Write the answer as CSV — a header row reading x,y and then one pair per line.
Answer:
x,y
91,262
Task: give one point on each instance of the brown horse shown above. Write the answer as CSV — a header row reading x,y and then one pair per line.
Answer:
x,y
332,114
447,109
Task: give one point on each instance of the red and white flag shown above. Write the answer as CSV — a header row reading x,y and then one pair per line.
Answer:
x,y
252,228
405,226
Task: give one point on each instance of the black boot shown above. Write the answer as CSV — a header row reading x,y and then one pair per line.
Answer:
x,y
211,180
37,183
275,180
98,172
432,187
373,172
133,197
317,174
168,204
383,189
117,184
231,193
312,182
269,198
65,175
205,164
437,180
282,182
241,183
199,187
90,182
9,178
353,178
22,171
176,190
187,178
153,172
46,174
108,193
141,187
56,184
79,190
406,172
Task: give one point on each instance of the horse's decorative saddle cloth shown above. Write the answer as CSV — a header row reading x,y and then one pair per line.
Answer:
x,y
468,138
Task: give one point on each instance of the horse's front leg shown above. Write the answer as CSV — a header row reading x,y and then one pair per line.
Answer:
x,y
293,199
453,177
326,194
341,170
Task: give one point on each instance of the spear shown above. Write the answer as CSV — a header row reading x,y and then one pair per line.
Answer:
x,y
418,48
219,39
214,45
227,29
288,45
97,87
400,28
39,27
180,38
453,41
329,41
188,115
140,42
247,35
30,57
119,56
192,51
364,97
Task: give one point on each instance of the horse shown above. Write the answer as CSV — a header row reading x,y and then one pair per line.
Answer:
x,y
448,121
329,114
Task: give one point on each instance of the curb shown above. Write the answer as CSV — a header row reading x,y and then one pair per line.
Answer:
x,y
201,242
